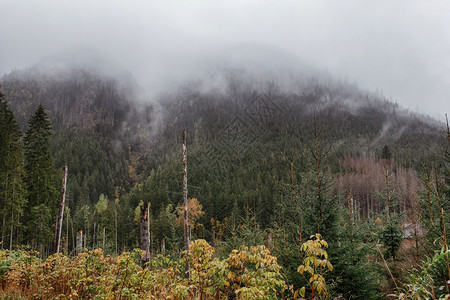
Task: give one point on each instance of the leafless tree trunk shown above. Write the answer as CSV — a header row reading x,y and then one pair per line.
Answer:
x,y
93,236
427,182
185,197
59,219
349,197
115,224
67,232
388,195
144,234
151,243
79,247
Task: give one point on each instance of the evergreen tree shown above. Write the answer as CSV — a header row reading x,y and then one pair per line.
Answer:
x,y
353,277
321,206
386,153
446,185
42,194
12,198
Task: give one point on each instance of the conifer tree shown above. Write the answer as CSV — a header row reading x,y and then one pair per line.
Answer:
x,y
41,191
12,199
321,206
446,188
386,153
322,213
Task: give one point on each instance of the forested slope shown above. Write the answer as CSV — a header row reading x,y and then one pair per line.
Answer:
x,y
269,163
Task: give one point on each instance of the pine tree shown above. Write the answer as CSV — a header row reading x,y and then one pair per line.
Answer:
x,y
12,198
41,191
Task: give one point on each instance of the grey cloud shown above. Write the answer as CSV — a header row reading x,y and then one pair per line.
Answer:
x,y
401,48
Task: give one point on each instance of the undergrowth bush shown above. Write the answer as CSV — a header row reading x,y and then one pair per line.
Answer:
x,y
247,273
431,281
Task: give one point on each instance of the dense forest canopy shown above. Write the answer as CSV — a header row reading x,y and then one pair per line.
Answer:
x,y
268,163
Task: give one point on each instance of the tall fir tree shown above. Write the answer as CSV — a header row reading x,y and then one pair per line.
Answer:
x,y
12,196
322,213
41,191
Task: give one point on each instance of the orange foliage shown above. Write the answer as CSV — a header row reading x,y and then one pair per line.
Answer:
x,y
194,212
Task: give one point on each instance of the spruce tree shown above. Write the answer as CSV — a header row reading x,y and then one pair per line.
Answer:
x,y
41,192
322,213
12,198
321,205
386,153
446,185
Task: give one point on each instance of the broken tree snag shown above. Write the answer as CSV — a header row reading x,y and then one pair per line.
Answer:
x,y
59,219
185,199
144,234
79,248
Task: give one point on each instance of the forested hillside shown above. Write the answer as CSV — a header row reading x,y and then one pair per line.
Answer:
x,y
268,164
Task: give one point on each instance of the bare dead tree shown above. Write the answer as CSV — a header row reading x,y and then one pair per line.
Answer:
x,y
67,230
185,197
93,236
388,195
79,247
144,234
59,219
427,183
185,193
349,208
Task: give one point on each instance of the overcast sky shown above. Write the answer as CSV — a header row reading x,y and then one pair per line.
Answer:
x,y
401,48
